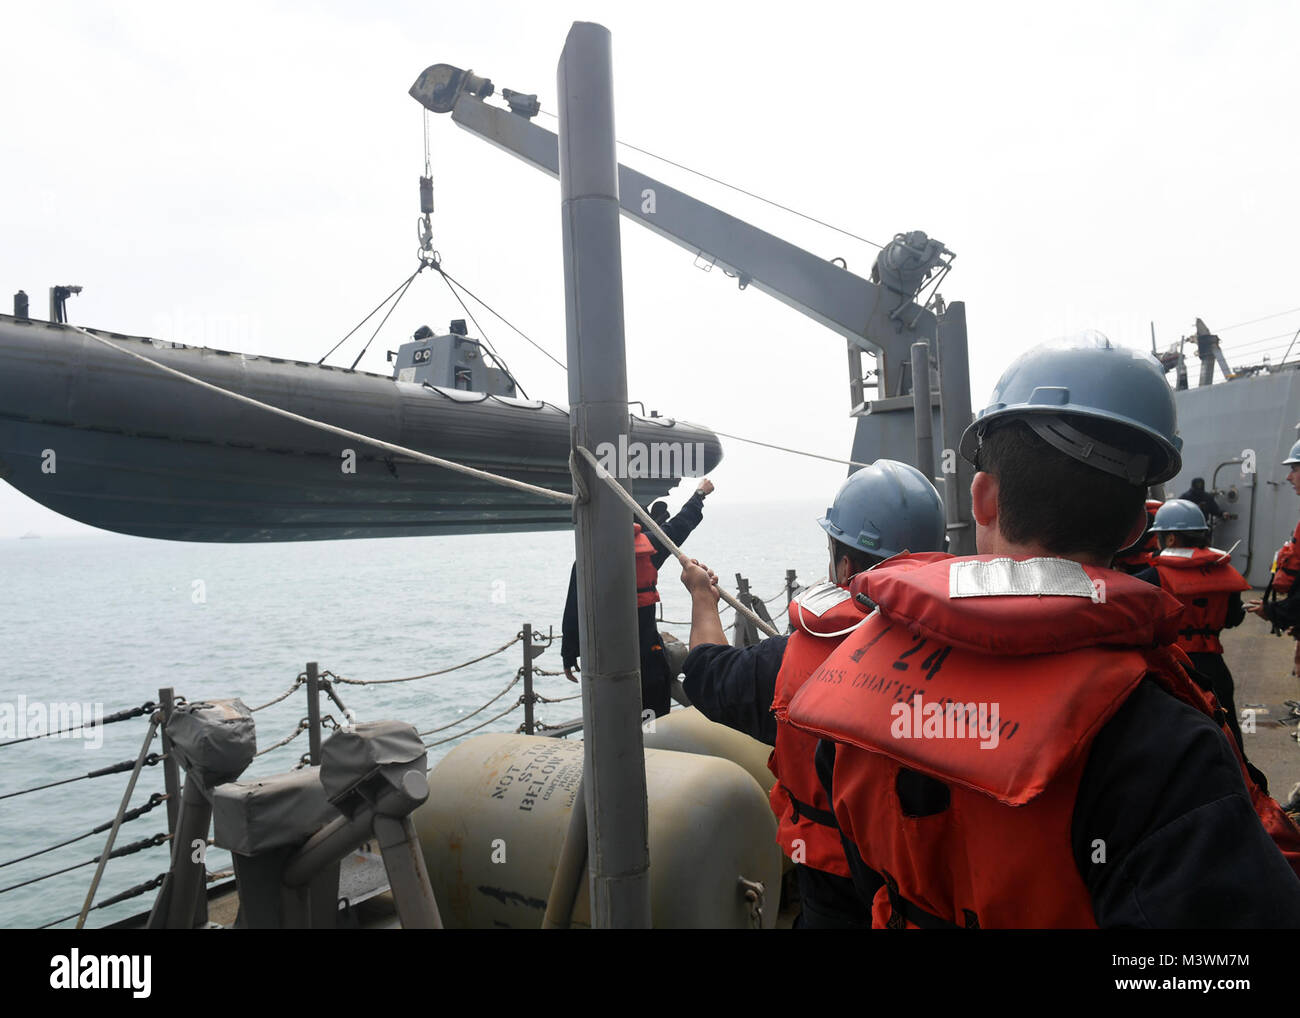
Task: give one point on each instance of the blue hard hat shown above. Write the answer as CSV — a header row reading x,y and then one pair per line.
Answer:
x,y
887,508
1177,515
1056,385
1293,457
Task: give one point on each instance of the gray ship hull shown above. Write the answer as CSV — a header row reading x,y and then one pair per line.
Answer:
x,y
102,438
1252,419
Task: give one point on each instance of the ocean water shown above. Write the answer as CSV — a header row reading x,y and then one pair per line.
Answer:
x,y
108,620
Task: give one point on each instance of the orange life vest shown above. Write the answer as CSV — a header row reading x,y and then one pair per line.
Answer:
x,y
1202,579
647,575
997,697
821,616
1286,566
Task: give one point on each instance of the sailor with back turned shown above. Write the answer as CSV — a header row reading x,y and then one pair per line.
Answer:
x,y
880,512
1012,739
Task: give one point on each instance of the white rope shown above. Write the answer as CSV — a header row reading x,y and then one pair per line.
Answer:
x,y
437,461
667,542
558,496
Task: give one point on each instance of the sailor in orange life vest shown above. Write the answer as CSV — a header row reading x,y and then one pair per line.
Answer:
x,y
656,682
1281,602
879,511
1138,555
1016,740
1202,578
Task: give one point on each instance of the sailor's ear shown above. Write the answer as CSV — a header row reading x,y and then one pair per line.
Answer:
x,y
1139,525
984,498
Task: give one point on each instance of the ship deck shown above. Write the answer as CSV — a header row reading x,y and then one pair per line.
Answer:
x,y
1261,666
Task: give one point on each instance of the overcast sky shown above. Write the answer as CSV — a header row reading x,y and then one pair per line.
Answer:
x,y
245,176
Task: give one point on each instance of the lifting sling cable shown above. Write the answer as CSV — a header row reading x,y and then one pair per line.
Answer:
x,y
533,489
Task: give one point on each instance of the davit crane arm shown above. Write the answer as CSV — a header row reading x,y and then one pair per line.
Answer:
x,y
879,316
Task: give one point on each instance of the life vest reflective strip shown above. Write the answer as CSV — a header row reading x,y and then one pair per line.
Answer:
x,y
1203,580
647,576
806,829
1000,852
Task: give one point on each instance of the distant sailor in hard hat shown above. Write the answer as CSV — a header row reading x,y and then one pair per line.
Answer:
x,y
1209,588
880,511
1016,742
1281,602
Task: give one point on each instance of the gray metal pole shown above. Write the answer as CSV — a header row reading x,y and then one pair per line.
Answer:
x,y
404,863
954,416
528,678
188,877
313,712
569,867
171,769
613,756
921,411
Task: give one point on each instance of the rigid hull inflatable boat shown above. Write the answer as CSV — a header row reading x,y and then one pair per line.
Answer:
x,y
108,440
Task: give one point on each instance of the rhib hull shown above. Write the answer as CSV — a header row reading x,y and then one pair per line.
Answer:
x,y
107,440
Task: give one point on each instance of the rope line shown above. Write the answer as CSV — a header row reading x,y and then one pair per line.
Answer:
x,y
664,539
426,675
500,317
1237,347
406,286
303,725
116,768
437,461
117,853
348,713
132,814
108,719
405,282
476,710
741,190
797,452
130,892
482,333
1265,318
452,738
302,678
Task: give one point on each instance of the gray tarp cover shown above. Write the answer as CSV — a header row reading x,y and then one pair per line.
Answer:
x,y
213,739
285,809
352,753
